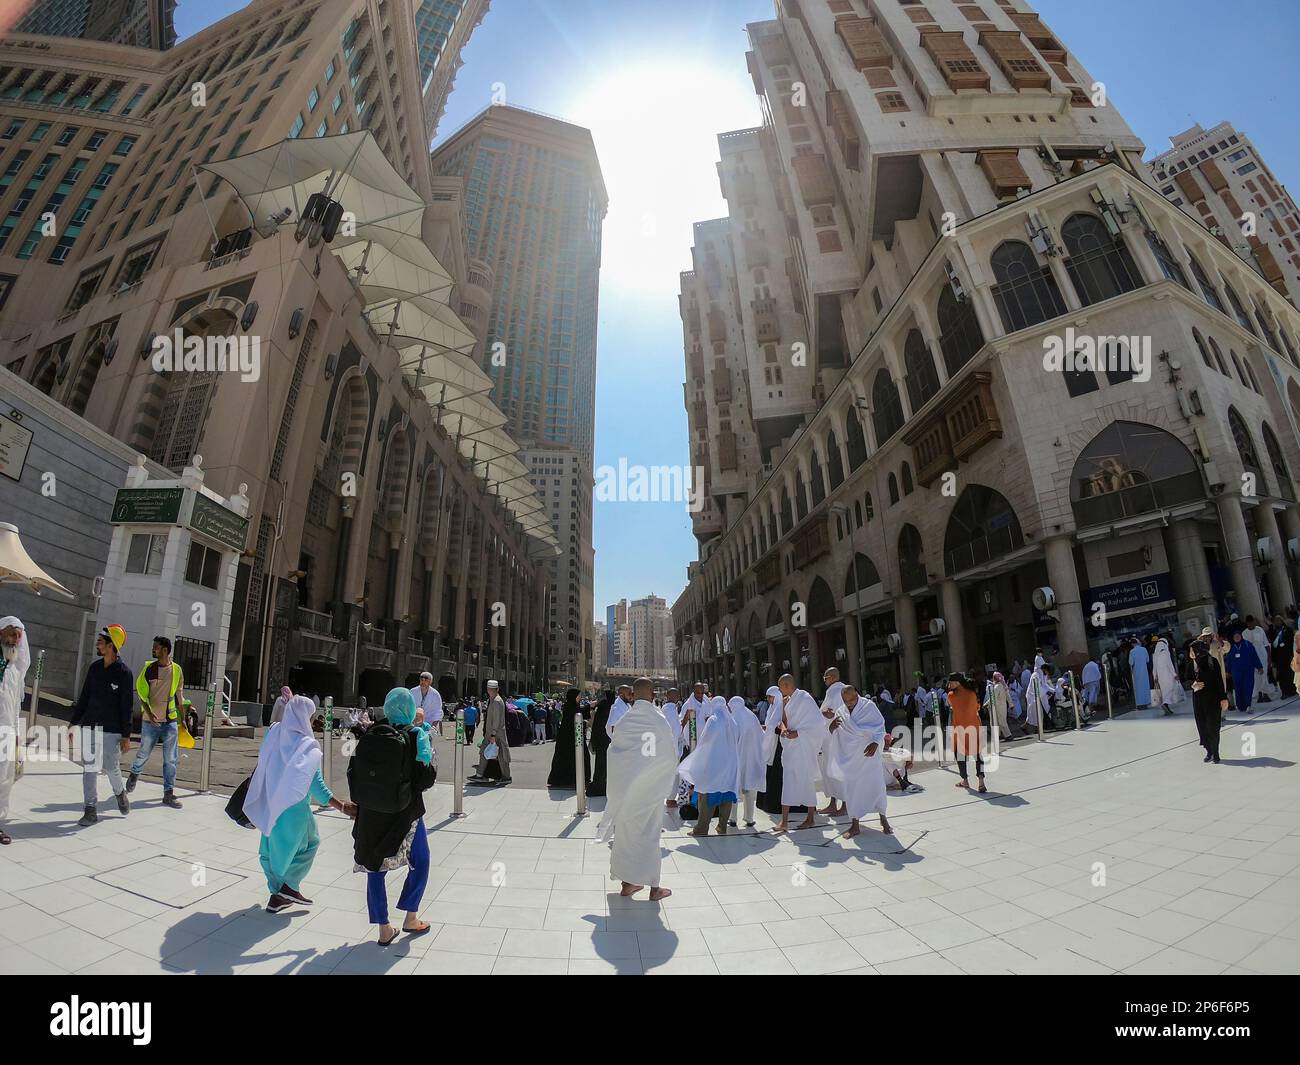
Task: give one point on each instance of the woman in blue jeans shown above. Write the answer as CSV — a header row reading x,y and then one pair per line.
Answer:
x,y
389,840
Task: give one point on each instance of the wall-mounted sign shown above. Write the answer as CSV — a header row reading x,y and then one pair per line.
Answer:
x,y
14,443
147,506
218,523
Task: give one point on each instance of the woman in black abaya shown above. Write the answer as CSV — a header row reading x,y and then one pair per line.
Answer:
x,y
600,742
563,762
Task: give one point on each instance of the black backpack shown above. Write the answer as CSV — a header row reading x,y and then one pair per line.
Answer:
x,y
379,772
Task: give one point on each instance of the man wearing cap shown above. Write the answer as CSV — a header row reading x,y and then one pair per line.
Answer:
x,y
494,731
103,715
160,687
428,699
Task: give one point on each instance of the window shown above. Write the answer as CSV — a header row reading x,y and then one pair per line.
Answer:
x,y
886,407
1169,266
203,567
66,134
922,380
1025,292
1099,265
893,489
1207,290
313,98
298,123
1080,382
144,554
960,336
38,133
124,146
15,127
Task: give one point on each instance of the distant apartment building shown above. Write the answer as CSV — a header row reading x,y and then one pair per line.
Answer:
x,y
141,23
1219,178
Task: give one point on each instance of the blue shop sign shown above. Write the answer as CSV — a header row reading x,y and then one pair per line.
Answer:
x,y
1140,593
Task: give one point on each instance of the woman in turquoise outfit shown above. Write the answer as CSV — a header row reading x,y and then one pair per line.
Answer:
x,y
285,784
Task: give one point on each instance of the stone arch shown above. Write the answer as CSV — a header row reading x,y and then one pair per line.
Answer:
x,y
1130,468
982,526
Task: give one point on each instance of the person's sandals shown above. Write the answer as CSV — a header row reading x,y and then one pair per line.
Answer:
x,y
659,893
416,930
983,789
389,941
5,839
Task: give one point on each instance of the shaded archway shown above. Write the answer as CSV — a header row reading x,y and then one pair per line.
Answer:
x,y
911,563
1128,469
981,527
886,407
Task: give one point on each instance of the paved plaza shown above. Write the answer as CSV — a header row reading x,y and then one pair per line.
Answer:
x,y
1111,850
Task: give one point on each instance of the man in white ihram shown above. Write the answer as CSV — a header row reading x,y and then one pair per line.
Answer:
x,y
854,772
831,705
696,705
15,657
428,699
642,760
802,731
619,708
673,717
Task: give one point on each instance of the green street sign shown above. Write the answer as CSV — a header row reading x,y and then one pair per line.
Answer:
x,y
147,506
218,523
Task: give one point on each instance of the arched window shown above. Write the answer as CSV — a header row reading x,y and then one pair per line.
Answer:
x,y
821,603
857,514
1115,358
1207,290
1200,344
886,407
960,336
1025,292
1290,348
818,479
1098,264
1238,310
800,497
922,380
1128,469
787,516
911,565
184,412
982,526
857,440
893,489
1246,449
1262,319
870,506
861,575
1218,358
1276,459
1250,372
834,461
91,363
906,476
1169,266
1236,363
1079,382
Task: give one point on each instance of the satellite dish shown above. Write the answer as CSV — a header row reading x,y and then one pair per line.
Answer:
x,y
893,641
1044,599
937,627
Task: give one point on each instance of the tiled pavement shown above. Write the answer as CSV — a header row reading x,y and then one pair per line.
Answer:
x,y
1115,850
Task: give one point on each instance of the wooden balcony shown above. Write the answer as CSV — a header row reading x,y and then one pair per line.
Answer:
x,y
973,416
956,62
717,325
756,250
722,388
727,459
1017,63
865,43
814,177
1214,175
1039,35
931,449
811,541
774,49
768,572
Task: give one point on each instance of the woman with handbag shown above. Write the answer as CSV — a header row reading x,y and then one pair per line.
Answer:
x,y
389,831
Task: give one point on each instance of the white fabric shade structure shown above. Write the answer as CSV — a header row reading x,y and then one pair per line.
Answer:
x,y
17,567
405,290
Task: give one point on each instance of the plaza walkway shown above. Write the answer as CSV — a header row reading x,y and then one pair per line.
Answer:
x,y
1111,850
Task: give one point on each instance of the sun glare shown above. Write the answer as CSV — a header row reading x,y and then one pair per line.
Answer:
x,y
655,125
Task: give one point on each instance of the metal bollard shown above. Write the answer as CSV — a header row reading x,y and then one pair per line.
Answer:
x,y
579,765
1074,699
1036,683
36,697
1105,673
327,742
209,719
458,770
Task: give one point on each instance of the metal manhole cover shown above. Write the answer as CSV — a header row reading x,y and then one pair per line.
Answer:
x,y
172,881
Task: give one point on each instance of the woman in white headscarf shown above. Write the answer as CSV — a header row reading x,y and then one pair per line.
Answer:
x,y
752,773
1171,690
713,768
769,800
15,657
285,783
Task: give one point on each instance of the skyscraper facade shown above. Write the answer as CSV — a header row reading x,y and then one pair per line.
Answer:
x,y
535,204
1049,409
442,29
141,23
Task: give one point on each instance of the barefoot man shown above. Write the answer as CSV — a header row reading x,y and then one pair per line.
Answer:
x,y
642,760
831,705
802,731
853,764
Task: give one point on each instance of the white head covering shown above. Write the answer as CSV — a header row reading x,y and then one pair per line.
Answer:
x,y
713,765
22,653
770,723
286,764
752,771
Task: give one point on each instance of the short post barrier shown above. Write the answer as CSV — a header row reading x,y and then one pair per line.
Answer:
x,y
327,742
580,764
458,770
1074,698
209,726
36,696
938,725
1105,672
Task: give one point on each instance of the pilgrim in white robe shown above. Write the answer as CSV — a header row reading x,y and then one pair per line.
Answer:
x,y
751,776
800,754
1138,662
1091,679
642,758
852,776
1037,689
616,713
1171,689
17,659
713,770
695,705
672,715
1259,638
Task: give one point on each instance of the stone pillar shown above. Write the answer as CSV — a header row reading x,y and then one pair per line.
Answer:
x,y
814,671
1279,583
1190,573
905,622
853,672
955,636
739,659
1290,523
1071,633
1241,558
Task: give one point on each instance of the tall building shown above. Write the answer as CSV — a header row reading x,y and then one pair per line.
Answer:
x,y
650,625
535,203
392,526
140,23
442,29
1048,408
1219,178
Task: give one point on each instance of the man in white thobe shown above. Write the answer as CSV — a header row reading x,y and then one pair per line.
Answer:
x,y
619,708
642,759
672,714
832,704
854,768
802,732
696,704
428,699
15,657
1254,632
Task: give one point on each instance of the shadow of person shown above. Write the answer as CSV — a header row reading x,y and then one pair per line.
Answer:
x,y
622,949
1259,762
190,944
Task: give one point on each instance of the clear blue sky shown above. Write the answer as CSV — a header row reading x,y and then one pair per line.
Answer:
x,y
656,79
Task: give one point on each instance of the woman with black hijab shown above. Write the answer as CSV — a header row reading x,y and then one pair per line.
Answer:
x,y
600,741
1209,697
563,763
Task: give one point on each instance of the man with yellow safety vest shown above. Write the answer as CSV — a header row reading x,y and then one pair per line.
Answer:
x,y
160,687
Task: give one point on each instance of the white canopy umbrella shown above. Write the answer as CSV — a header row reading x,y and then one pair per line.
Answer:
x,y
17,567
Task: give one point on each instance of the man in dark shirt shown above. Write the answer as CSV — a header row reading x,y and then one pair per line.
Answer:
x,y
103,716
